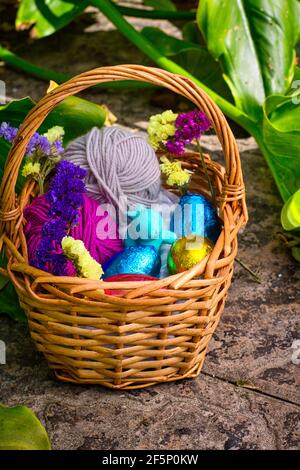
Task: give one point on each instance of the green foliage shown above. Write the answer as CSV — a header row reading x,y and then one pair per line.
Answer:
x,y
21,430
166,5
47,16
254,42
281,141
192,57
290,215
9,303
76,115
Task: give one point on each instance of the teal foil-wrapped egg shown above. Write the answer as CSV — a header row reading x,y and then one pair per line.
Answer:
x,y
196,214
135,259
188,251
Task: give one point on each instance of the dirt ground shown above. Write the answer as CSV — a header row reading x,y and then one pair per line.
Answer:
x,y
247,396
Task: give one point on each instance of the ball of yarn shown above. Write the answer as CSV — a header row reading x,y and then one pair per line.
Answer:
x,y
122,167
95,228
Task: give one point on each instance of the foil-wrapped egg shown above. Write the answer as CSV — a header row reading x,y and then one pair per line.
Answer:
x,y
135,259
196,214
188,251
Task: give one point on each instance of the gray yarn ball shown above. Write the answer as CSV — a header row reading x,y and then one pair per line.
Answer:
x,y
119,163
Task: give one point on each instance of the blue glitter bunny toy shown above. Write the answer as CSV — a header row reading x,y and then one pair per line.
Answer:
x,y
144,236
146,228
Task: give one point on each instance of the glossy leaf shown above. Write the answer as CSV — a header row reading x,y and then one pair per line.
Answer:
x,y
193,58
290,215
255,44
75,114
47,16
281,142
296,253
21,430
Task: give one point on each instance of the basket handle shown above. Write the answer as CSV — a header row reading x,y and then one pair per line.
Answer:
x,y
233,190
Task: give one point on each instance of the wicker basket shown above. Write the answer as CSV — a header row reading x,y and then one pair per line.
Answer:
x,y
158,331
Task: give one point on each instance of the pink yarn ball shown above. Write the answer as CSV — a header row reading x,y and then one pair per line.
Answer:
x,y
95,228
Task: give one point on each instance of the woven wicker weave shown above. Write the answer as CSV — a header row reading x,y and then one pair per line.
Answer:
x,y
159,330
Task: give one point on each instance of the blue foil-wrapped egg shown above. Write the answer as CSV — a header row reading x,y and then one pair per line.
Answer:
x,y
136,259
196,214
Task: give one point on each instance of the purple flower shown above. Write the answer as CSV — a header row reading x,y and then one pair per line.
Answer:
x,y
58,147
55,229
38,145
175,147
59,264
65,196
191,125
8,132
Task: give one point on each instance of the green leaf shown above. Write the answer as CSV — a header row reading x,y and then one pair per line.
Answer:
x,y
296,253
75,114
9,304
191,33
290,214
47,16
281,142
15,111
254,41
9,301
4,150
193,58
21,430
163,5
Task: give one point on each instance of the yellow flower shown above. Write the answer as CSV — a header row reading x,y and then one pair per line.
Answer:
x,y
161,127
85,265
55,133
176,176
31,169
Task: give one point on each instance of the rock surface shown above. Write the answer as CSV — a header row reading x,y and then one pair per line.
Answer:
x,y
247,396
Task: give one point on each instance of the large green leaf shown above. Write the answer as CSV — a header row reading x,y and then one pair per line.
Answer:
x,y
21,430
192,57
47,16
281,142
75,114
290,215
254,41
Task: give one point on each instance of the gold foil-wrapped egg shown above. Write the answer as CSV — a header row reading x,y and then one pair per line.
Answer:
x,y
188,251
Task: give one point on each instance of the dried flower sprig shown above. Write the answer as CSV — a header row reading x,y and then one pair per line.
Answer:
x,y
65,196
172,132
175,175
42,153
86,266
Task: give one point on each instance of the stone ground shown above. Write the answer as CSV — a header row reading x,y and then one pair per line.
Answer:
x,y
247,396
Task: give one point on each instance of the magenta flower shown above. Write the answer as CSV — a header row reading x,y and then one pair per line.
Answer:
x,y
189,126
175,147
